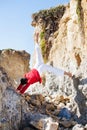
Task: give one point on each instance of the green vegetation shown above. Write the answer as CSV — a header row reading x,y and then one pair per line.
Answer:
x,y
42,34
8,49
43,44
52,12
78,10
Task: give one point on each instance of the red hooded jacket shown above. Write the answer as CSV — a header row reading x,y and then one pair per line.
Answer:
x,y
33,76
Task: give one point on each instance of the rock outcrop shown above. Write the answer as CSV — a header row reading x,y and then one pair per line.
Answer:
x,y
37,111
16,63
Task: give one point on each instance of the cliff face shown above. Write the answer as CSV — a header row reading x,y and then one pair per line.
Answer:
x,y
68,40
70,43
48,23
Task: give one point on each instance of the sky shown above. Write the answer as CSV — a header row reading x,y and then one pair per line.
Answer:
x,y
16,31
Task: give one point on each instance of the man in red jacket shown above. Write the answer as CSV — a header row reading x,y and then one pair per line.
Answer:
x,y
35,74
29,78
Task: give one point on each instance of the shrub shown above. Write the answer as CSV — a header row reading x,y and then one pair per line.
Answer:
x,y
78,10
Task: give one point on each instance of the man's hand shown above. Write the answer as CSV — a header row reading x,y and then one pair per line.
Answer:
x,y
68,73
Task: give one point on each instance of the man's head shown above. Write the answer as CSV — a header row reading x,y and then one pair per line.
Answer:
x,y
23,81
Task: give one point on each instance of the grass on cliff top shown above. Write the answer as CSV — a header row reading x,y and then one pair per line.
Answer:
x,y
48,12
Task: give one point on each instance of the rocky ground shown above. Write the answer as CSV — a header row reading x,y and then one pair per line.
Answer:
x,y
39,109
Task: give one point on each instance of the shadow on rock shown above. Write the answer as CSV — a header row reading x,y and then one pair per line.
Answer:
x,y
80,100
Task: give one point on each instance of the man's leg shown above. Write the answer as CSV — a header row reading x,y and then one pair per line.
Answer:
x,y
38,56
48,68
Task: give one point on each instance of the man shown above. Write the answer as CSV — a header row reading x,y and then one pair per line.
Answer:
x,y
35,74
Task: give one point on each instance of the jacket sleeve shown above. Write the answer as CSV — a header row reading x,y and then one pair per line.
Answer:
x,y
20,87
24,88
